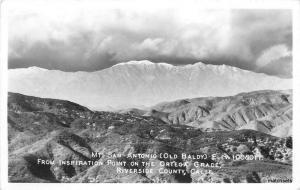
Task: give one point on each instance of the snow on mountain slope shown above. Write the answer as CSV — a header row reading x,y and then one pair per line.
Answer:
x,y
140,83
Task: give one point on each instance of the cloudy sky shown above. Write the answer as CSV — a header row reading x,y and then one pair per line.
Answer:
x,y
91,37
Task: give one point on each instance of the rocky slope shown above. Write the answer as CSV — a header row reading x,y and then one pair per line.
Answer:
x,y
265,111
140,83
61,131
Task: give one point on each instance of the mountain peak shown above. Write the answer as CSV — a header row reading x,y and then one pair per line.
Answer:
x,y
36,68
149,64
143,63
137,83
146,63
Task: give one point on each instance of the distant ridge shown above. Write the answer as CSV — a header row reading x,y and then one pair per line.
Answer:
x,y
140,84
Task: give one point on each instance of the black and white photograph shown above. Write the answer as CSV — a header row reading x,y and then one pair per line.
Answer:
x,y
134,92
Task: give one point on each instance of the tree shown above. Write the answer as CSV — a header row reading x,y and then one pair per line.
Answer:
x,y
289,142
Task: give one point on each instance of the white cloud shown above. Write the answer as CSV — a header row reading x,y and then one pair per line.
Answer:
x,y
151,44
45,23
116,31
272,54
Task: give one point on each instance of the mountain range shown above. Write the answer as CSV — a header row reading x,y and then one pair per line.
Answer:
x,y
140,84
266,111
62,131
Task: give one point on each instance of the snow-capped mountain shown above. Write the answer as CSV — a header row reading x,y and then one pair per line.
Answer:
x,y
140,83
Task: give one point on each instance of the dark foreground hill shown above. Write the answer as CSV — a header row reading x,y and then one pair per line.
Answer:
x,y
57,131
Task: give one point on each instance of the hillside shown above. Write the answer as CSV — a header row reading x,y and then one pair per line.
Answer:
x,y
57,130
265,111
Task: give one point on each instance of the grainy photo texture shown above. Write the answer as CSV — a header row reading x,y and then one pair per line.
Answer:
x,y
116,92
